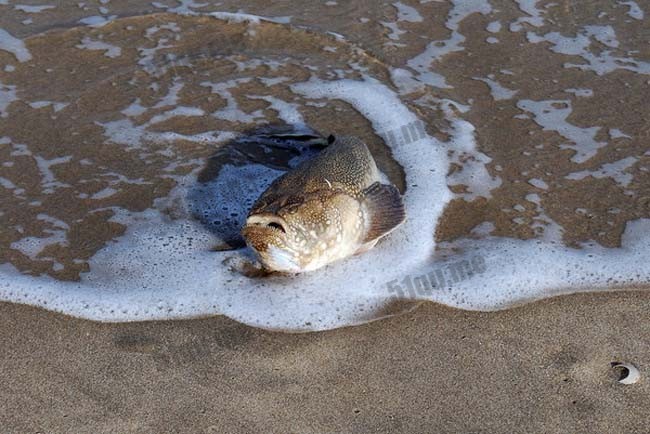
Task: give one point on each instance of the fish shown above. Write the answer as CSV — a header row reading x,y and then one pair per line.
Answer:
x,y
328,208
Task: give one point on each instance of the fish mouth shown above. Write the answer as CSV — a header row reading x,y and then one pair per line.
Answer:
x,y
264,230
265,234
270,221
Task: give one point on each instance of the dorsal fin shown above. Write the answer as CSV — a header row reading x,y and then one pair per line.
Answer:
x,y
385,209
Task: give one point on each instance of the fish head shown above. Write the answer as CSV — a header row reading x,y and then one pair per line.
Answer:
x,y
298,235
272,238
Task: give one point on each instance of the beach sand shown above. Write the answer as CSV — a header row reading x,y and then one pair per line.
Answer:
x,y
544,367
540,368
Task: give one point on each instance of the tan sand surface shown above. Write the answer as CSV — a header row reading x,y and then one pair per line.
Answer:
x,y
541,368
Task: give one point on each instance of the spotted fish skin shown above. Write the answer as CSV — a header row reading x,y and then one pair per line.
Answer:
x,y
324,210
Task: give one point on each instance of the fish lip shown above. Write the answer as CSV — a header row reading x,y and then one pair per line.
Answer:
x,y
263,221
274,255
258,234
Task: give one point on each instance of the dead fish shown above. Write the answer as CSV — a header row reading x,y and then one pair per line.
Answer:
x,y
325,209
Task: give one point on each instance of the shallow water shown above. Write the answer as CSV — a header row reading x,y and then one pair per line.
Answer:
x,y
516,130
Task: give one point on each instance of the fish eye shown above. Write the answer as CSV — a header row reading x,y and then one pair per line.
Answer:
x,y
277,226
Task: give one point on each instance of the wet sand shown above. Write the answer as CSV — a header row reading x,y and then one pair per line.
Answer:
x,y
543,367
539,368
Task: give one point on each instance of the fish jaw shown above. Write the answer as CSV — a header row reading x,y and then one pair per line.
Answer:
x,y
266,235
282,260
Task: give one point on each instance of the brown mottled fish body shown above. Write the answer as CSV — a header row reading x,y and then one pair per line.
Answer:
x,y
326,209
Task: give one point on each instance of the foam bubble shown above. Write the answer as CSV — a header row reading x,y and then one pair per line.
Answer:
x,y
232,112
498,91
97,20
615,170
580,92
241,17
552,116
407,13
436,50
14,45
633,9
7,96
111,51
534,17
601,63
472,171
32,9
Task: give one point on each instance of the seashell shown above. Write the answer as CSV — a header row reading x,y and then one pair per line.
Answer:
x,y
629,373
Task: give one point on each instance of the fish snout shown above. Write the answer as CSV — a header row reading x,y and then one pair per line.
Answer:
x,y
264,230
266,235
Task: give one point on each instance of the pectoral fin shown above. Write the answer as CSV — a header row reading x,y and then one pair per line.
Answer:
x,y
384,208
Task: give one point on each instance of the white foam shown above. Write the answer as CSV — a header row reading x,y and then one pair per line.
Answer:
x,y
164,269
176,111
539,183
7,96
634,10
534,17
33,246
407,13
49,181
171,98
173,27
241,17
272,81
436,50
494,27
6,183
580,92
615,133
147,56
111,51
472,172
407,83
185,7
104,193
57,106
615,170
126,132
135,109
232,112
31,9
552,116
602,62
14,45
288,112
97,20
395,31
498,91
